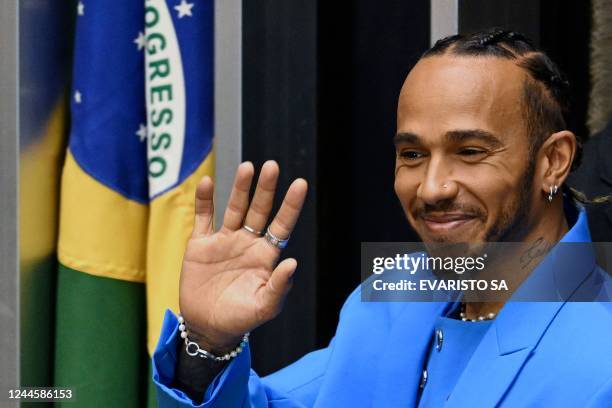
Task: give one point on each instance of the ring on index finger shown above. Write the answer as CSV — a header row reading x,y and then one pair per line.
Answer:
x,y
252,230
275,241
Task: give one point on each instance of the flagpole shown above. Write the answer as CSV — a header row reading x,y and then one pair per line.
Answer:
x,y
228,98
9,156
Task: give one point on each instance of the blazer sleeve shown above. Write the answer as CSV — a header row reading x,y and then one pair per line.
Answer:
x,y
237,385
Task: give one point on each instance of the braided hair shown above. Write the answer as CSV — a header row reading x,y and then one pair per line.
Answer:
x,y
546,90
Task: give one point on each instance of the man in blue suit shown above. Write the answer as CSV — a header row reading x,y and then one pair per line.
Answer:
x,y
482,156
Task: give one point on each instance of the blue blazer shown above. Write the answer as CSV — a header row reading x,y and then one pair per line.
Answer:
x,y
535,354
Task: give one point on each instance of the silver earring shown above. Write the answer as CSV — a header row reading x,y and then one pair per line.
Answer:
x,y
550,195
553,191
444,186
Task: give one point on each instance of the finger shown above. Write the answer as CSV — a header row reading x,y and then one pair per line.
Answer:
x,y
290,209
277,287
261,205
204,207
239,197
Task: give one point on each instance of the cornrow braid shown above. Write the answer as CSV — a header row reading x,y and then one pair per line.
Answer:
x,y
546,91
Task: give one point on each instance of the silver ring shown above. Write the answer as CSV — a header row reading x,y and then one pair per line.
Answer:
x,y
275,241
251,230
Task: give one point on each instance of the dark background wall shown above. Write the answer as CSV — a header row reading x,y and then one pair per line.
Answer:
x,y
321,81
365,52
562,28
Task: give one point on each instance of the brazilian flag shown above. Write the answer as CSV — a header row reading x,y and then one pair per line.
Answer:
x,y
141,137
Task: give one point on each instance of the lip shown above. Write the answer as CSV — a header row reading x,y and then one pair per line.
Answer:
x,y
448,222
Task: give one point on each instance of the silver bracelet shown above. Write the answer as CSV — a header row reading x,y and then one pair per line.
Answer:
x,y
193,349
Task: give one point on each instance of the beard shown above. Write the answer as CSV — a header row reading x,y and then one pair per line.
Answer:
x,y
512,225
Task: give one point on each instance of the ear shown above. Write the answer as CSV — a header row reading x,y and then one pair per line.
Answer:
x,y
556,157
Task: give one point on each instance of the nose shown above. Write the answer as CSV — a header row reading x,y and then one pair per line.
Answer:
x,y
436,185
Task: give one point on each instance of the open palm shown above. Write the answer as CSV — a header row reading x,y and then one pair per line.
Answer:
x,y
230,283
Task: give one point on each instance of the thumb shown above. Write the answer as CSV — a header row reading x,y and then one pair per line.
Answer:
x,y
277,287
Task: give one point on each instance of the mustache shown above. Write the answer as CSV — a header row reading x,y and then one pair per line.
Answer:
x,y
422,210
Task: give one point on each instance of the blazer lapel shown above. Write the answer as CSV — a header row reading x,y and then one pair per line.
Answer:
x,y
402,357
502,353
519,326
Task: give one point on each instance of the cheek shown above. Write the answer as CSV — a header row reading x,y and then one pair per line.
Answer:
x,y
495,194
405,187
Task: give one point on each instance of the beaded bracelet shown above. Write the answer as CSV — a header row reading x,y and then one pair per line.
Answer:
x,y
193,349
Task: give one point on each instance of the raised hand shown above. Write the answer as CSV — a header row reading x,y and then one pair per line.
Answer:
x,y
230,282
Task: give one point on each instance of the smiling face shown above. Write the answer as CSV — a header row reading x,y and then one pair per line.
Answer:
x,y
463,171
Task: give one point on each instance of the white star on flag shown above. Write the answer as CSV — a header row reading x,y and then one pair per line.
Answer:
x,y
81,8
184,9
140,41
77,96
142,132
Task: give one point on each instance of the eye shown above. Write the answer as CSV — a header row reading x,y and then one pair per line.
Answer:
x,y
472,154
470,151
411,154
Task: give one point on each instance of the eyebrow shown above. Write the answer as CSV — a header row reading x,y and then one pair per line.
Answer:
x,y
405,137
452,136
488,138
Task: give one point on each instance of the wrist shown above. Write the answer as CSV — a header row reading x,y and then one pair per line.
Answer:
x,y
219,347
199,344
194,375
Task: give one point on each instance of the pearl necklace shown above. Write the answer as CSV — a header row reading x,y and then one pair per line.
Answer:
x,y
488,316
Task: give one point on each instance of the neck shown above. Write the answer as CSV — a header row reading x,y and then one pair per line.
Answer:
x,y
550,226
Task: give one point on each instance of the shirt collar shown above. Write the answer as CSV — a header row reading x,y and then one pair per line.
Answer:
x,y
576,214
565,266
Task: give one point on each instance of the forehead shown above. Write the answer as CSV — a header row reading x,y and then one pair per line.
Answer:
x,y
443,92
